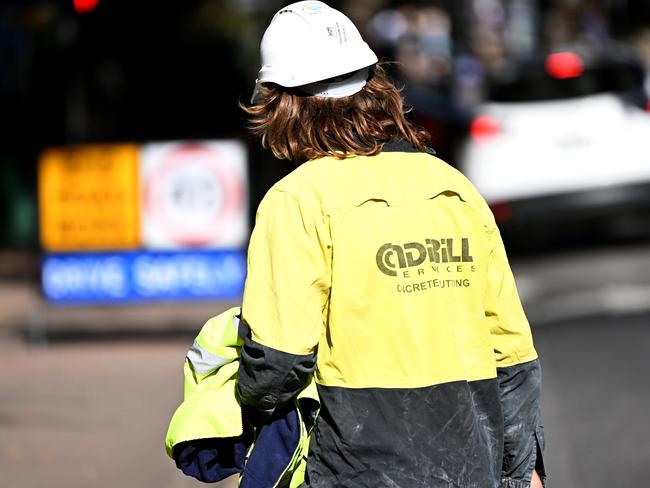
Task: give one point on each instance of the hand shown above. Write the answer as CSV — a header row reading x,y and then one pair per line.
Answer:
x,y
536,482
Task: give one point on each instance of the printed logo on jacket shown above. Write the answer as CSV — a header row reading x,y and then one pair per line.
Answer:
x,y
436,263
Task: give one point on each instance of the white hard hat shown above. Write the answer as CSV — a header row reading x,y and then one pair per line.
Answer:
x,y
308,42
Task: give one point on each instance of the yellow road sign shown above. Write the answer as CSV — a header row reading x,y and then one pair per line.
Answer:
x,y
88,197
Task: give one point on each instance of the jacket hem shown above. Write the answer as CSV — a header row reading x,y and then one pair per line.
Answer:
x,y
513,483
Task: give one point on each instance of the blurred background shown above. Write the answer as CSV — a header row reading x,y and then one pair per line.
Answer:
x,y
128,187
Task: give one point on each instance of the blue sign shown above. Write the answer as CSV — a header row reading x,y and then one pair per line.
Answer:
x,y
138,276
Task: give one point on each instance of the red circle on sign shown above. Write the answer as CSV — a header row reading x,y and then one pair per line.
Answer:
x,y
207,159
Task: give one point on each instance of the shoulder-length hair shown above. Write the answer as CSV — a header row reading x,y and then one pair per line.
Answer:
x,y
301,127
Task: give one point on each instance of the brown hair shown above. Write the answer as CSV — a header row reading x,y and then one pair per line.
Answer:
x,y
299,127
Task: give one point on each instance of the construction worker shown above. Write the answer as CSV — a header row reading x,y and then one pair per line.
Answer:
x,y
379,269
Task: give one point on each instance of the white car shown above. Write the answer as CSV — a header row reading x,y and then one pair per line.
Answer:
x,y
565,141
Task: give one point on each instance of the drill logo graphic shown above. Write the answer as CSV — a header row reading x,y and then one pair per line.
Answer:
x,y
391,257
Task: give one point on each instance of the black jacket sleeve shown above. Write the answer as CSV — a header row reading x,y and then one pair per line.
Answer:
x,y
269,379
523,432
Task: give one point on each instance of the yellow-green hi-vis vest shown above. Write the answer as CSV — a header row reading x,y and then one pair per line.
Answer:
x,y
211,408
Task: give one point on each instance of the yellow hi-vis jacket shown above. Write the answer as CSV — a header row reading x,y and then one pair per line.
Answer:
x,y
209,436
386,276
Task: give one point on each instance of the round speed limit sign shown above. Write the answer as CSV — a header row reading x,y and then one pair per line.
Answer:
x,y
194,195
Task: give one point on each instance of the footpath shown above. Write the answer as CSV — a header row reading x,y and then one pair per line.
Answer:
x,y
86,393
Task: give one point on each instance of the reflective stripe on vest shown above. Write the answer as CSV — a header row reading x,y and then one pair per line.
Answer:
x,y
204,361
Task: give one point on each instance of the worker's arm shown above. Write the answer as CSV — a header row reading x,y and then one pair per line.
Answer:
x,y
285,298
518,372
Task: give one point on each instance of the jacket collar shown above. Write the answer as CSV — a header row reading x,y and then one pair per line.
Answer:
x,y
400,145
